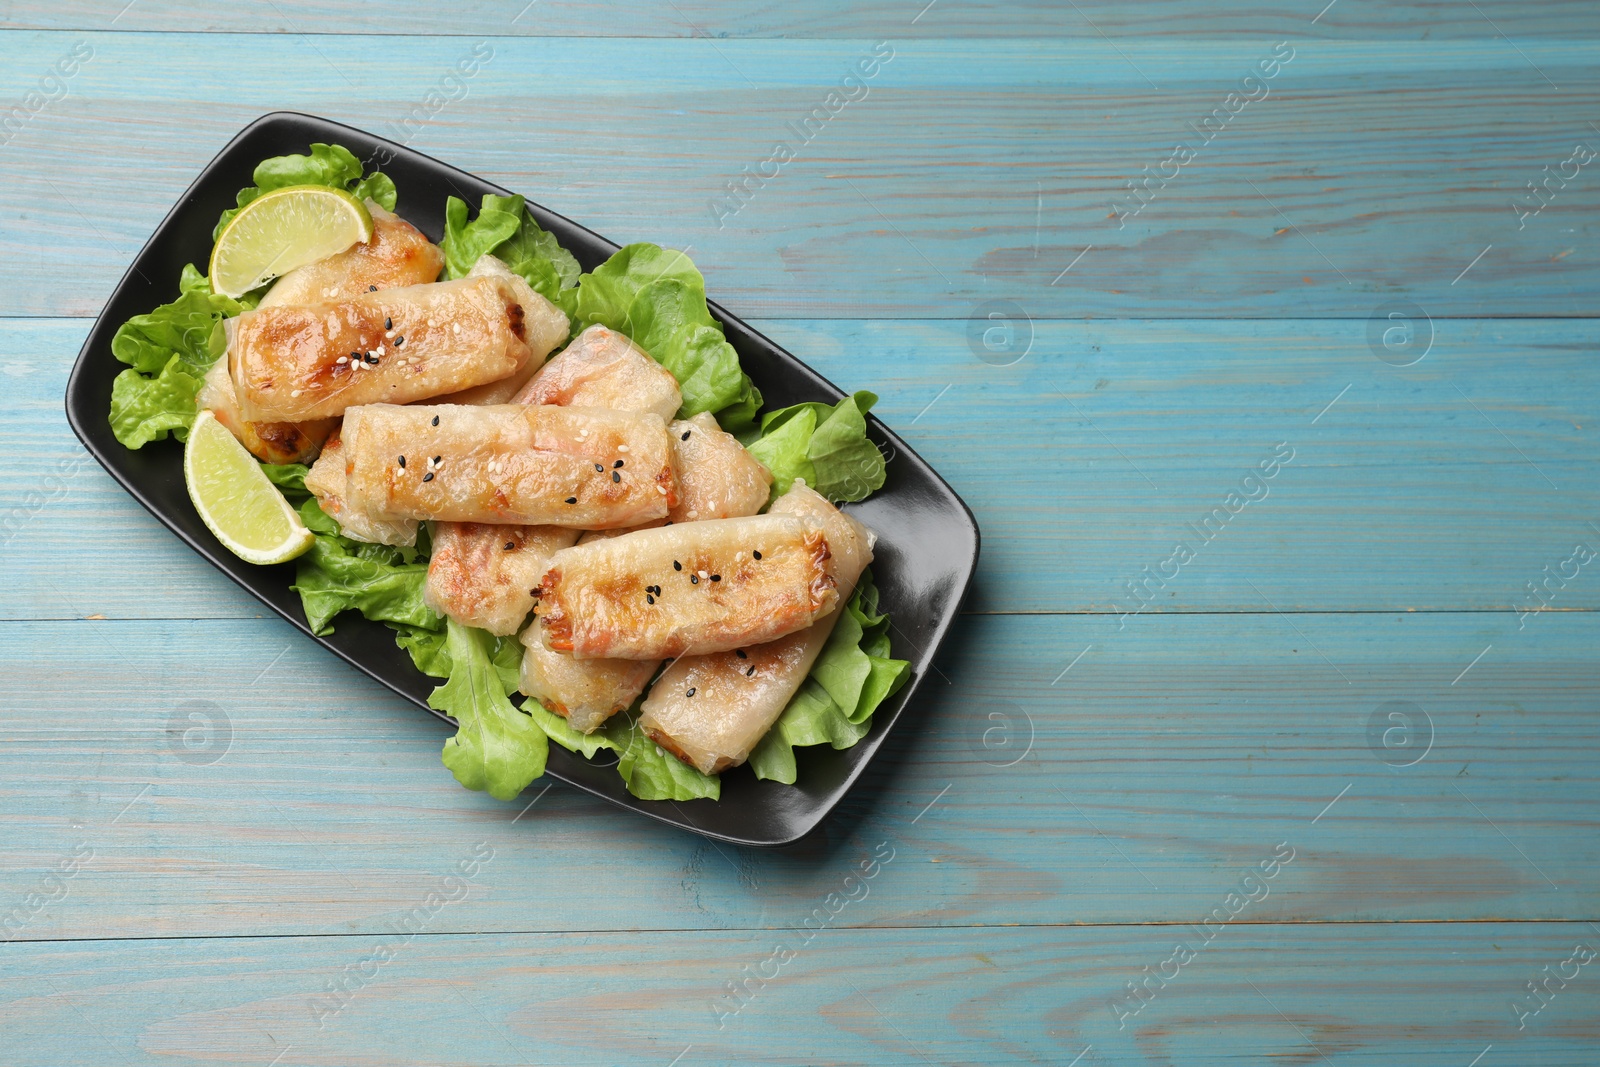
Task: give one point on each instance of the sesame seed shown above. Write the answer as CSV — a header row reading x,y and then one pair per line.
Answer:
x,y
618,463
622,448
342,359
615,477
694,513
402,462
685,436
572,500
355,355
690,693
398,341
432,323
649,599
702,574
599,467
372,288
428,477
436,422
388,335
694,579
437,460
455,327
757,555
751,671
388,324
381,351
716,577
661,489
510,545
740,653
677,566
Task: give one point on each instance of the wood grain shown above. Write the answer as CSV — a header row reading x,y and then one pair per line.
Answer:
x,y
1402,20
1133,787
1420,995
951,183
1419,489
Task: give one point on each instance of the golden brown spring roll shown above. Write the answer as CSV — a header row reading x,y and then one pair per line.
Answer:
x,y
710,711
603,369
547,326
272,442
487,576
687,589
398,255
326,482
586,468
291,364
717,479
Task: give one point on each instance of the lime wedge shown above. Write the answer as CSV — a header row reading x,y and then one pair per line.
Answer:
x,y
236,500
284,229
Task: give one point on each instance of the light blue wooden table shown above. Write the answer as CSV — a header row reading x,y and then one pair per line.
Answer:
x,y
1319,790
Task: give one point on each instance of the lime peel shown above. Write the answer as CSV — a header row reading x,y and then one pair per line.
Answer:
x,y
236,500
284,229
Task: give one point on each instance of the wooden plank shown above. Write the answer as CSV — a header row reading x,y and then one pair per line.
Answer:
x,y
950,183
1404,20
1420,488
1419,995
1057,772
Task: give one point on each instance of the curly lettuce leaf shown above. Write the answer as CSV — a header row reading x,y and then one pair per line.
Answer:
x,y
648,771
826,444
339,574
657,297
430,651
497,749
168,352
850,679
332,165
506,229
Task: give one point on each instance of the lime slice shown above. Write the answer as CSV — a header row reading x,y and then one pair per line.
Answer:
x,y
236,500
284,229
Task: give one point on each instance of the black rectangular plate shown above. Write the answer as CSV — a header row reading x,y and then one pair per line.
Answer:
x,y
927,538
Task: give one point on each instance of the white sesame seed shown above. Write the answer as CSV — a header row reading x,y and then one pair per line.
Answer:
x,y
378,351
455,327
432,323
737,556
389,334
703,574
661,489
622,448
342,359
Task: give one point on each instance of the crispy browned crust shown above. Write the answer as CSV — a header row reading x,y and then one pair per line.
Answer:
x,y
817,547
665,479
556,622
722,764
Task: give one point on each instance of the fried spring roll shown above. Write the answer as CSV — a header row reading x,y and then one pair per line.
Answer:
x,y
603,369
547,326
291,364
486,576
397,255
687,589
273,442
326,482
717,479
711,711
585,468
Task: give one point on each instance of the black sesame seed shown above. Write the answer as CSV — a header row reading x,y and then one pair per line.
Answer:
x,y
677,566
740,653
690,693
615,477
388,324
694,579
572,500
510,545
716,577
402,461
751,671
618,463
757,555
685,436
648,599
598,467
438,459
372,288
436,422
428,477
356,356
398,341
372,359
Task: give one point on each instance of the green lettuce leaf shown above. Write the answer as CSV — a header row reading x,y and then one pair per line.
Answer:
x,y
826,444
168,352
850,679
497,749
656,297
430,652
332,165
290,478
338,574
505,228
648,771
